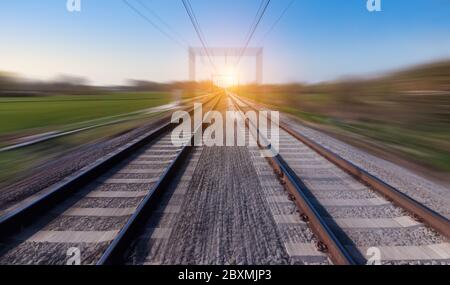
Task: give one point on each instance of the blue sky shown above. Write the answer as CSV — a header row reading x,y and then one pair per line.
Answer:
x,y
317,40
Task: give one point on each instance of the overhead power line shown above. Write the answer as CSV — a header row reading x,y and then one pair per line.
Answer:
x,y
196,22
255,27
161,20
259,16
278,20
198,31
255,20
142,15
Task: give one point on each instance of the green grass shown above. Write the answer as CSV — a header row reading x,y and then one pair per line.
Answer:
x,y
26,116
425,144
419,145
307,116
23,115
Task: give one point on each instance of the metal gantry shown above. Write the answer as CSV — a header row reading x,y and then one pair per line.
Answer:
x,y
257,52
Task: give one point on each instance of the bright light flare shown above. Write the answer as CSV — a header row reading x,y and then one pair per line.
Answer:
x,y
226,80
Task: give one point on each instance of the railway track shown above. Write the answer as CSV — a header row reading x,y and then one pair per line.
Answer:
x,y
225,207
94,214
151,202
358,218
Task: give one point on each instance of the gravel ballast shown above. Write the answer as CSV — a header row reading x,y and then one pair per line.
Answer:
x,y
88,223
431,194
218,219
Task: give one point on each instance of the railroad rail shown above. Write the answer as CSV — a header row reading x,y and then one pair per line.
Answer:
x,y
115,251
337,252
103,209
330,222
136,175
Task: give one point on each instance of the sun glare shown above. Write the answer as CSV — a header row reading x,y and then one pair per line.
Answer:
x,y
226,80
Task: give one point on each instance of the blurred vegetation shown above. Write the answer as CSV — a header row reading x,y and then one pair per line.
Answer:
x,y
17,164
68,102
405,112
56,112
11,85
39,108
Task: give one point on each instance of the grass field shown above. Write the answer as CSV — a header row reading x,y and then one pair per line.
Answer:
x,y
424,140
46,113
21,117
406,113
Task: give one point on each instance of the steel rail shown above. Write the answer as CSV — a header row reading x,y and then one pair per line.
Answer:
x,y
115,251
421,212
336,250
25,214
